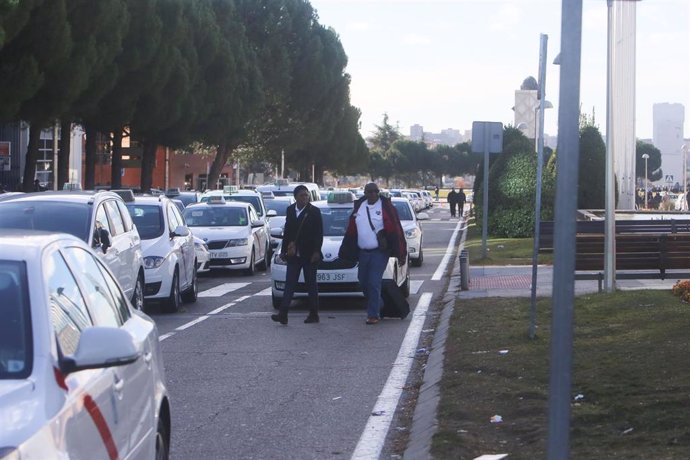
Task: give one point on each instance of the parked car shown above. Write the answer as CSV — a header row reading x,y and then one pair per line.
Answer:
x,y
99,218
284,188
236,237
413,231
81,371
168,248
277,208
335,277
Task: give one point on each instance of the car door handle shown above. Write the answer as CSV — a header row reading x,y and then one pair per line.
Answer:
x,y
119,384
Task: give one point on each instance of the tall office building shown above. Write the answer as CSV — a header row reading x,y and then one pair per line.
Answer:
x,y
668,137
416,132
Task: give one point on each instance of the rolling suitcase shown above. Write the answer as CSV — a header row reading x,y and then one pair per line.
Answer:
x,y
395,304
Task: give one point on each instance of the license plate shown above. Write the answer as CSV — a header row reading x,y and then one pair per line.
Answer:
x,y
330,277
219,255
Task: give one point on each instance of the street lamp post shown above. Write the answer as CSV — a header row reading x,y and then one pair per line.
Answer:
x,y
684,148
645,157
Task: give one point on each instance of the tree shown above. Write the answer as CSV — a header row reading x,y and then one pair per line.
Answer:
x,y
383,137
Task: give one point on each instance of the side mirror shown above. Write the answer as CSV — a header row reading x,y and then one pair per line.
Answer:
x,y
271,213
181,230
277,232
101,347
258,223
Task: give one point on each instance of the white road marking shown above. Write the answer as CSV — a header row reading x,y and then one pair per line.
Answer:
x,y
415,286
191,323
222,289
165,336
374,435
219,309
449,250
266,291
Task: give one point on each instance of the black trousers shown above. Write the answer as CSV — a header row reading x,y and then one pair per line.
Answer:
x,y
452,209
295,265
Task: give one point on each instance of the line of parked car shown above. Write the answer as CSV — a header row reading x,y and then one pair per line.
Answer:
x,y
81,373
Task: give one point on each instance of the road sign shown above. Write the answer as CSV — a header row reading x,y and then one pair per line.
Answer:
x,y
495,136
669,178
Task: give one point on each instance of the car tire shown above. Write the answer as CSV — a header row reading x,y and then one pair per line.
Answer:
x,y
419,260
249,271
276,301
263,265
190,294
172,303
162,440
138,294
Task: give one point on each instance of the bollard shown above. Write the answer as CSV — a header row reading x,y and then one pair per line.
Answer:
x,y
464,270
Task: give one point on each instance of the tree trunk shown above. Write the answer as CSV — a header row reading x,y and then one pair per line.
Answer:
x,y
64,153
148,161
90,157
222,154
31,156
116,163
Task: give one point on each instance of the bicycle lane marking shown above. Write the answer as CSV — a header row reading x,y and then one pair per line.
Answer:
x,y
374,435
438,274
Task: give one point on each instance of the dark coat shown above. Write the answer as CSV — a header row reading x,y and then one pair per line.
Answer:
x,y
395,236
310,236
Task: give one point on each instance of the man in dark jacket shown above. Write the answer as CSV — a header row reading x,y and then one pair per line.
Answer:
x,y
373,235
301,248
452,201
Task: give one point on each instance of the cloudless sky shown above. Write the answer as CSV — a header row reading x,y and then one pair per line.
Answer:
x,y
445,64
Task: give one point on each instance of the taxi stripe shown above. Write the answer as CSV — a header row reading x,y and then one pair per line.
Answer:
x,y
102,427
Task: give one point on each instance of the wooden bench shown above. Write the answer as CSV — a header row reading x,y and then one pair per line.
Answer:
x,y
642,254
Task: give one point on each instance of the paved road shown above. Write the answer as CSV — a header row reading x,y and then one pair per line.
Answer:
x,y
244,387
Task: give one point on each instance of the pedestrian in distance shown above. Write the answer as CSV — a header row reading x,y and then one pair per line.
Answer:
x,y
461,199
436,190
301,249
373,235
452,201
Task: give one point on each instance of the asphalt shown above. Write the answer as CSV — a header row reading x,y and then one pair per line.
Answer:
x,y
485,281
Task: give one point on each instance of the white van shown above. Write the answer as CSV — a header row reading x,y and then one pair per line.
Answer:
x,y
286,188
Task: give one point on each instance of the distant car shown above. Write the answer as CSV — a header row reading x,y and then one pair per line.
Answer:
x,y
186,197
236,237
99,218
277,208
168,248
335,277
413,231
81,371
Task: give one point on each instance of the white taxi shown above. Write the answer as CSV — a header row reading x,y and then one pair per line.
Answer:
x,y
335,277
236,237
168,248
81,371
413,231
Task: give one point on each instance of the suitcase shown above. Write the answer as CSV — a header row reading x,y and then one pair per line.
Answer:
x,y
395,304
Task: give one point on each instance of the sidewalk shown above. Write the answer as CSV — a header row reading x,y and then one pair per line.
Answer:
x,y
485,281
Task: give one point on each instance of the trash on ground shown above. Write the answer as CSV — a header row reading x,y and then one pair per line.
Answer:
x,y
491,457
496,419
427,330
421,350
337,398
629,430
579,397
503,352
378,413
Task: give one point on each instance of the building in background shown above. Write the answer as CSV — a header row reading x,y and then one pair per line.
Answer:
x,y
445,137
668,137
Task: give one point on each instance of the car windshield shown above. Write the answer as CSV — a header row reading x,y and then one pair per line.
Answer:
x,y
16,351
215,216
335,220
279,206
403,209
50,216
148,219
253,200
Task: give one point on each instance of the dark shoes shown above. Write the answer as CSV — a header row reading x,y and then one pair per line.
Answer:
x,y
372,321
311,319
280,319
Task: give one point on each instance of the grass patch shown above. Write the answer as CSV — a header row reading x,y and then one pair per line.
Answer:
x,y
630,364
501,251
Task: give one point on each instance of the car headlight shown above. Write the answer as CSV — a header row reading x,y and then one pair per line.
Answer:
x,y
279,260
153,261
412,233
237,242
198,245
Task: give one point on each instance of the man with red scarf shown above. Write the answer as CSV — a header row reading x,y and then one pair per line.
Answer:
x,y
373,235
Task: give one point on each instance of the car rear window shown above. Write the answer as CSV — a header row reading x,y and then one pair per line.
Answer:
x,y
279,206
403,210
253,200
16,351
216,216
51,216
148,219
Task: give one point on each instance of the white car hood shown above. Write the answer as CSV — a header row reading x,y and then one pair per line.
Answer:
x,y
408,224
330,247
220,233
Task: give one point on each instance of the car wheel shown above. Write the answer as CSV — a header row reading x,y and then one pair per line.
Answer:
x,y
172,303
406,286
263,265
190,294
419,260
276,301
162,441
249,271
138,294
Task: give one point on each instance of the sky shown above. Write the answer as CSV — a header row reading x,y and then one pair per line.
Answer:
x,y
444,64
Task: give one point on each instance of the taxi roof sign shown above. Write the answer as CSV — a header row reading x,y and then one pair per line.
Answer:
x,y
230,189
340,197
